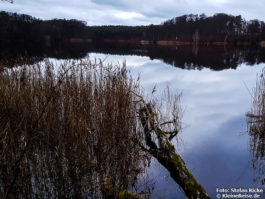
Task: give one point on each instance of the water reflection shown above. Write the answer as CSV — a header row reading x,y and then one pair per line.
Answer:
x,y
215,103
213,143
256,128
16,54
63,137
188,57
185,57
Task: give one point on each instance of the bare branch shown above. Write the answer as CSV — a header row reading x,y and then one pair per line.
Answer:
x,y
167,156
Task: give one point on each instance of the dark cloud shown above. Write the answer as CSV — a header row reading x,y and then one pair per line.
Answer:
x,y
137,12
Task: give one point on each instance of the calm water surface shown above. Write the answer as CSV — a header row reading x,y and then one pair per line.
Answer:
x,y
216,95
214,143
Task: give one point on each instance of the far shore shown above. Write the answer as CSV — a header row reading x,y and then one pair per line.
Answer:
x,y
169,42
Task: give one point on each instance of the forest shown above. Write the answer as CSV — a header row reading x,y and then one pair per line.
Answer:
x,y
190,29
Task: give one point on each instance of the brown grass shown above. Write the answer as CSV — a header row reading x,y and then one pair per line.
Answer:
x,y
145,42
256,127
166,43
65,131
262,43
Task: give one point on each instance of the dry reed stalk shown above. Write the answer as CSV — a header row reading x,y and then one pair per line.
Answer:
x,y
256,127
77,125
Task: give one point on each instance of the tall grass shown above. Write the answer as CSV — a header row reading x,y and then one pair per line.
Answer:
x,y
256,127
66,131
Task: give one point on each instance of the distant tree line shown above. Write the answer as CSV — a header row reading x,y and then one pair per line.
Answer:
x,y
25,28
190,28
220,27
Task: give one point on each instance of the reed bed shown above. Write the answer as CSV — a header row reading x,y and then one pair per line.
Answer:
x,y
68,130
256,127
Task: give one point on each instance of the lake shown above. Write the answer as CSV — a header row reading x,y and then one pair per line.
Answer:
x,y
217,91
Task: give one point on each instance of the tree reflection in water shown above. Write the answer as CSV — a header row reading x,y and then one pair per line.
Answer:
x,y
256,128
185,57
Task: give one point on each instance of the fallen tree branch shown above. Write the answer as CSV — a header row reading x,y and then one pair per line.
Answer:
x,y
166,155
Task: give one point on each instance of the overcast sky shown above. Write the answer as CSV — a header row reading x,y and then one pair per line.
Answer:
x,y
133,12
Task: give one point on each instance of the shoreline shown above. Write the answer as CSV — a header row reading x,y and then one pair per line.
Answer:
x,y
169,42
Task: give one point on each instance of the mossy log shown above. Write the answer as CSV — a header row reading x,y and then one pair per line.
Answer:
x,y
180,173
165,153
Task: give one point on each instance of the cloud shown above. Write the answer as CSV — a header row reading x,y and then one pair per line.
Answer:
x,y
137,12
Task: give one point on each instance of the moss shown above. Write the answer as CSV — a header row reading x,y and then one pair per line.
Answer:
x,y
116,193
170,147
190,183
160,133
193,186
177,161
126,195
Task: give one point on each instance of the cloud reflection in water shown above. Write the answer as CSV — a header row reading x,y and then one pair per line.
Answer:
x,y
214,144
